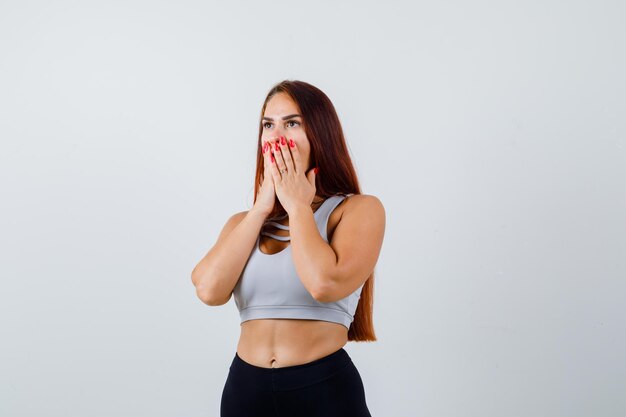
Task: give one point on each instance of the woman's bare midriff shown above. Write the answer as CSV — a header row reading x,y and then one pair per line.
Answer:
x,y
276,343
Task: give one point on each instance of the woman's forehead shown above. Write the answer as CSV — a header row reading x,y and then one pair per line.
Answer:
x,y
280,103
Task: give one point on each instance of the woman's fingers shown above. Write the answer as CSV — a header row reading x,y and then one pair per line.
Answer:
x,y
289,164
273,160
265,150
295,154
278,158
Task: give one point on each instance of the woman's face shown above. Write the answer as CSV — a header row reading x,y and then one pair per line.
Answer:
x,y
282,118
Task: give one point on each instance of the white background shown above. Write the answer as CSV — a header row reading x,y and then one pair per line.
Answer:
x,y
493,133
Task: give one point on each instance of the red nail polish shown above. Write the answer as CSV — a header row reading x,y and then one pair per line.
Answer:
x,y
277,148
282,140
316,170
292,143
272,155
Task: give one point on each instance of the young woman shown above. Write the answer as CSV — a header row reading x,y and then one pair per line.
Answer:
x,y
300,266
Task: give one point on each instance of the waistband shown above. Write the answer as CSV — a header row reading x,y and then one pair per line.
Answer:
x,y
296,376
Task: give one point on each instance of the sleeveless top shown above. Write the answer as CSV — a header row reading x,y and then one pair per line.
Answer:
x,y
269,286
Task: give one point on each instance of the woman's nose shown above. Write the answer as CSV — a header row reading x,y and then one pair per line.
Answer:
x,y
275,138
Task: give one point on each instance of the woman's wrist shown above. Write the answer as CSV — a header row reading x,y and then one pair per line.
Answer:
x,y
256,211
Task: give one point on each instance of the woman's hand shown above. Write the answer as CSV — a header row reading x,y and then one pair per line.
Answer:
x,y
292,186
266,195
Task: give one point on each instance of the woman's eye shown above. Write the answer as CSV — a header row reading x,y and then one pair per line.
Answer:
x,y
290,121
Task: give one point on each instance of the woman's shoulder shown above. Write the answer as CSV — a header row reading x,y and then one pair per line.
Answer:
x,y
239,215
363,201
364,205
230,224
363,215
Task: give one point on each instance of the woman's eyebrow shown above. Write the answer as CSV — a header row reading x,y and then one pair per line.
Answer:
x,y
291,116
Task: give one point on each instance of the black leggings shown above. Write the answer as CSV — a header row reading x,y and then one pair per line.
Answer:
x,y
330,387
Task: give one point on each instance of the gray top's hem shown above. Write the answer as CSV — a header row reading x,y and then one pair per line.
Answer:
x,y
296,312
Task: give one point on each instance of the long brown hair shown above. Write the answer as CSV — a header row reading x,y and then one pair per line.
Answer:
x,y
337,175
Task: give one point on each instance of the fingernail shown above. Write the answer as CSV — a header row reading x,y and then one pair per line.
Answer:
x,y
291,143
277,148
282,140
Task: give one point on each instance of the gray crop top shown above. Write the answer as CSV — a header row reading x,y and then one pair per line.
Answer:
x,y
269,286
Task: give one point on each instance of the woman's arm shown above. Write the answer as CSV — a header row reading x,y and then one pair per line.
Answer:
x,y
331,271
217,273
